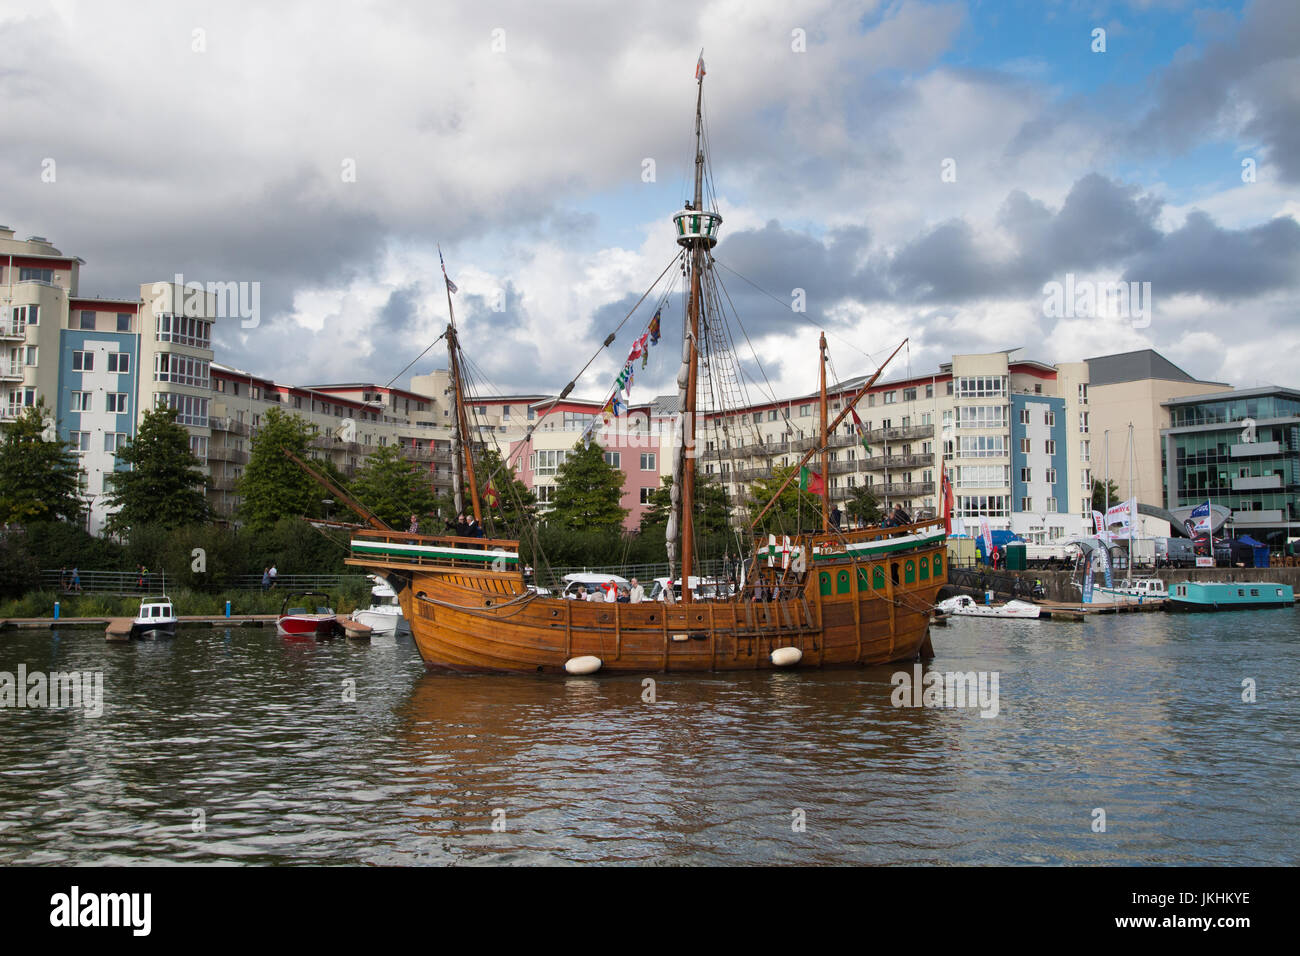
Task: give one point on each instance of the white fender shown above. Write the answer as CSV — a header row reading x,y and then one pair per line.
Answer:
x,y
587,664
786,656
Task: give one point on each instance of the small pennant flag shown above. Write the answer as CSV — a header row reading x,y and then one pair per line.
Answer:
x,y
862,431
450,285
654,328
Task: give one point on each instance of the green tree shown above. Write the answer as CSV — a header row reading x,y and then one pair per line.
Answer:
x,y
1100,495
587,491
862,506
393,487
516,505
272,486
165,484
784,514
712,511
38,478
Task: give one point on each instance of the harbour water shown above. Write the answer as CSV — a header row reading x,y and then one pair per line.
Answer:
x,y
237,746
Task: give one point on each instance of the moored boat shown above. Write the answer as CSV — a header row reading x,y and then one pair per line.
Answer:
x,y
384,616
825,598
156,618
1229,596
301,621
965,606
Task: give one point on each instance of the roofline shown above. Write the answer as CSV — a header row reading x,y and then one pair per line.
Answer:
x,y
1235,393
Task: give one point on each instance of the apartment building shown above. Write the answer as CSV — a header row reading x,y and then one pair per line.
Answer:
x,y
97,362
639,444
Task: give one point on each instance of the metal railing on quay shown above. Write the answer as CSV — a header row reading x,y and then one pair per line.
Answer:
x,y
131,582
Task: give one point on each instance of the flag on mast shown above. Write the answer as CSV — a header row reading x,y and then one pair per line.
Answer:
x,y
810,481
699,66
861,430
451,286
947,502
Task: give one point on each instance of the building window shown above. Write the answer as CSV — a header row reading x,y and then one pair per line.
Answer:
x,y
1024,446
1025,475
771,415
1084,449
27,274
909,394
116,402
1051,504
1050,419
83,361
80,402
185,331
124,322
87,321
890,397
1024,416
1083,421
613,459
189,409
1051,447
183,370
929,391
113,441
1051,480
981,416
645,495
30,356
549,461
805,411
981,386
1083,394
1026,504
80,441
199,447
119,362
648,462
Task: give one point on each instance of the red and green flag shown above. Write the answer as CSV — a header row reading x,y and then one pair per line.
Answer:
x,y
810,481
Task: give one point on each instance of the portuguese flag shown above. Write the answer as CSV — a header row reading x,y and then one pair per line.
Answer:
x,y
810,481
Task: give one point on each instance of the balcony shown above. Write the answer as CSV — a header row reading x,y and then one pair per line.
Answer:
x,y
897,462
1257,483
1244,518
1255,449
222,453
903,489
11,371
9,330
907,433
228,425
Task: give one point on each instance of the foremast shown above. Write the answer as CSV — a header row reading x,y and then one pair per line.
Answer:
x,y
697,231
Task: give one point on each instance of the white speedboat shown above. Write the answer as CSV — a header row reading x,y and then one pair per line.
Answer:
x,y
384,616
1129,591
157,618
966,606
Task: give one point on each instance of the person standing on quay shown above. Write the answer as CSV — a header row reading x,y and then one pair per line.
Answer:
x,y
266,578
273,573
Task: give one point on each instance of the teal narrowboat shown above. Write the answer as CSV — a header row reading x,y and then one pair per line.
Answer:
x,y
1228,595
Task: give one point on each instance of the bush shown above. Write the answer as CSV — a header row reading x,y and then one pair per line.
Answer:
x,y
19,571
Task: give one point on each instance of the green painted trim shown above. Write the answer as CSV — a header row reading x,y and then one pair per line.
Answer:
x,y
877,548
408,550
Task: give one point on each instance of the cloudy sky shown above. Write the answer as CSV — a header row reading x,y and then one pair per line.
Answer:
x,y
918,169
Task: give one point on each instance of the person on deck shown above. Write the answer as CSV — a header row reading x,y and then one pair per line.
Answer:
x,y
611,592
636,593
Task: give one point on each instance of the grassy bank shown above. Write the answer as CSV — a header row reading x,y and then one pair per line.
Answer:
x,y
345,600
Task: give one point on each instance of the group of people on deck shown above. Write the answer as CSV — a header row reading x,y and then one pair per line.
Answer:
x,y
612,593
465,527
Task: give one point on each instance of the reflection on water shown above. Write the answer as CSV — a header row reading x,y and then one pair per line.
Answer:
x,y
237,746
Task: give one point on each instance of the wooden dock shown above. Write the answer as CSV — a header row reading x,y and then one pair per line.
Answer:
x,y
1069,611
215,620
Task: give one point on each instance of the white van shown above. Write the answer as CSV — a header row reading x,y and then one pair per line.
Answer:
x,y
580,585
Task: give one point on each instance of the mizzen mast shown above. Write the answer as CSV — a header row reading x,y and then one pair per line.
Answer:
x,y
697,231
462,447
825,442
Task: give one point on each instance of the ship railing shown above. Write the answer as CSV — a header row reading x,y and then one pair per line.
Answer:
x,y
426,550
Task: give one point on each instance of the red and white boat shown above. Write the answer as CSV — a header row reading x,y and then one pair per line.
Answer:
x,y
300,621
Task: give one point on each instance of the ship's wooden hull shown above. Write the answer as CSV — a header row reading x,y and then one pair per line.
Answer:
x,y
462,620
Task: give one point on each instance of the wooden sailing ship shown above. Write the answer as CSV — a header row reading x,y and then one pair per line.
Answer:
x,y
827,598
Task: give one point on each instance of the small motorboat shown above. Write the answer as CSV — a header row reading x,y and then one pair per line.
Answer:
x,y
966,606
300,621
157,618
384,616
1130,590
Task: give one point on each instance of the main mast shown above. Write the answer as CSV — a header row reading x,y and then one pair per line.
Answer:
x,y
697,232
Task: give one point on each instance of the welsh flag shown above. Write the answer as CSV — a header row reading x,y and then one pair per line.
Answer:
x,y
861,429
810,481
